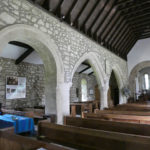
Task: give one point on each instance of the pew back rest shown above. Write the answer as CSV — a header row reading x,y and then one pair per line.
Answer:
x,y
121,127
123,112
91,139
11,141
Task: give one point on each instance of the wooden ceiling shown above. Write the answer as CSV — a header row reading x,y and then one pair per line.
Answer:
x,y
114,24
28,51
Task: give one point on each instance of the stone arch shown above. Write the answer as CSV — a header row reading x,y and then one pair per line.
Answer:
x,y
120,83
47,50
93,60
133,74
95,63
118,76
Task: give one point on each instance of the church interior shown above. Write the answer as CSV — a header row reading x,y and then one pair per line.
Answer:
x,y
74,74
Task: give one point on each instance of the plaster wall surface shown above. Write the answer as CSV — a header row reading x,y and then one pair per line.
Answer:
x,y
139,53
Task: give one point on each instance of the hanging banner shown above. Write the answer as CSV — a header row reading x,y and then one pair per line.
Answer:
x,y
15,87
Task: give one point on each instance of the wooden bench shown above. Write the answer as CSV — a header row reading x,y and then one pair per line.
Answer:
x,y
142,105
120,118
139,129
130,108
122,112
10,141
91,139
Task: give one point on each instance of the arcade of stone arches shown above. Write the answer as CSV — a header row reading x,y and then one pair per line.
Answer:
x,y
89,83
90,86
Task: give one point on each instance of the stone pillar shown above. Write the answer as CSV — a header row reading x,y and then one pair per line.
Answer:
x,y
122,98
104,97
63,101
50,96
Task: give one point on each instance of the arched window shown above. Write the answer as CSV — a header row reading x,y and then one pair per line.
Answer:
x,y
83,90
146,81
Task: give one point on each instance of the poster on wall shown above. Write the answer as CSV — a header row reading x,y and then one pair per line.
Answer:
x,y
15,87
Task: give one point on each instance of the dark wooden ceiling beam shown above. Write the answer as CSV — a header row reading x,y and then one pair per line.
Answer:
x,y
133,5
82,26
110,26
107,21
91,16
46,5
102,6
144,37
126,42
57,10
91,73
113,29
127,45
141,29
142,16
138,21
20,44
145,34
124,51
121,38
119,50
87,68
87,19
75,21
68,14
86,64
141,33
123,24
104,16
138,10
124,3
139,16
39,2
145,26
130,46
121,33
24,55
139,24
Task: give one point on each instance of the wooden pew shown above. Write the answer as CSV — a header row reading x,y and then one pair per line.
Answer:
x,y
122,112
138,105
91,139
130,108
130,128
120,118
141,105
11,141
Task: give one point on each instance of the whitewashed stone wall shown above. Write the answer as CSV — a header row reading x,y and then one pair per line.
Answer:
x,y
76,84
34,86
72,45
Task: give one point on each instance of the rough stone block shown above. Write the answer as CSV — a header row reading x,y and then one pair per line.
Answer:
x,y
7,18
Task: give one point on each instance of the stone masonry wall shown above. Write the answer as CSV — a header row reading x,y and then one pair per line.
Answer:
x,y
76,83
71,44
34,83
